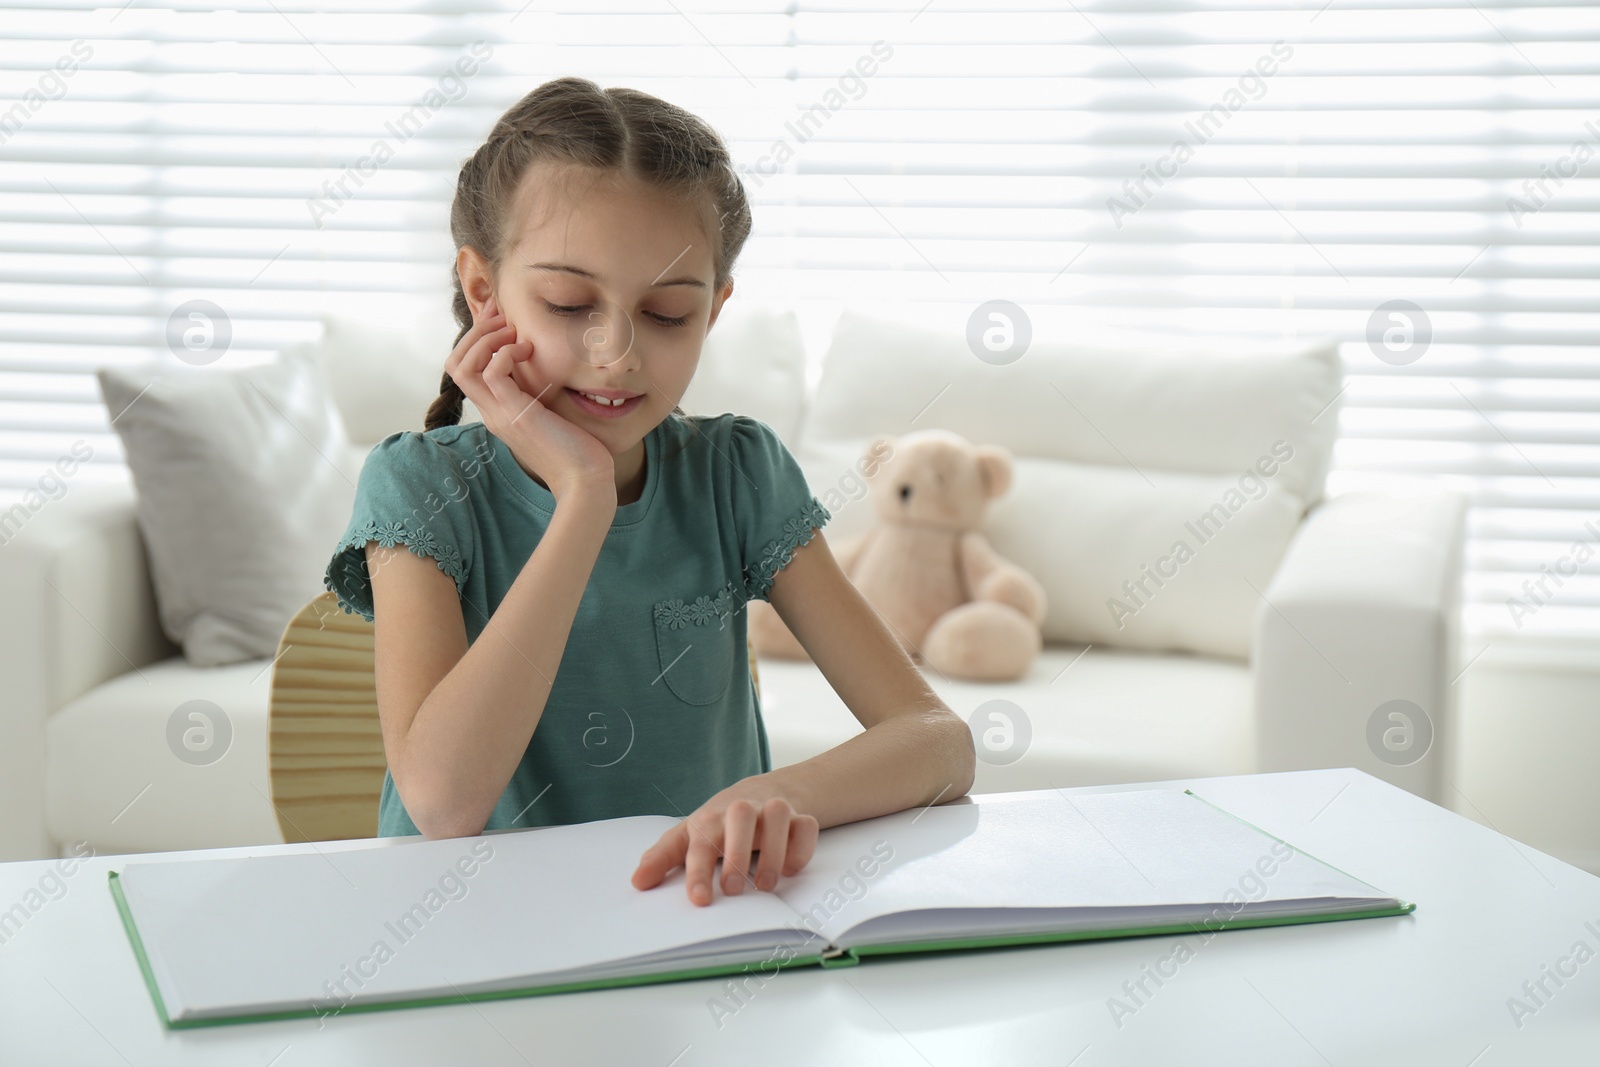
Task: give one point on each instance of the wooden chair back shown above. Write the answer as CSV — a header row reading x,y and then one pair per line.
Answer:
x,y
325,746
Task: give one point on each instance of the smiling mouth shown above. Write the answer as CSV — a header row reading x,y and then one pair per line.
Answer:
x,y
602,406
606,398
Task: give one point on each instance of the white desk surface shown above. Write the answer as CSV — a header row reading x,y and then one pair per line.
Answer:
x,y
1432,987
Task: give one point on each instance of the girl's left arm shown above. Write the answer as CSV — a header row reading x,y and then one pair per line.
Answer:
x,y
914,752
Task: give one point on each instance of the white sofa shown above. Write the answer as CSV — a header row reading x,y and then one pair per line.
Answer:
x,y
1356,607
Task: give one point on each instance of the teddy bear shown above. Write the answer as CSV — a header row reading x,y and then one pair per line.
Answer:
x,y
951,600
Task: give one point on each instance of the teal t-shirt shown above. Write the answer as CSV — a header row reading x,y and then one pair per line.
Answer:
x,y
652,709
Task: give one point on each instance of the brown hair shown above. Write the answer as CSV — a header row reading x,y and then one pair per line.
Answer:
x,y
624,131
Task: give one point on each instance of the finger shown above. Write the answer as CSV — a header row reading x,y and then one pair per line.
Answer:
x,y
702,855
739,827
665,856
803,831
468,376
487,345
468,357
506,392
503,384
487,311
469,369
483,320
662,858
775,817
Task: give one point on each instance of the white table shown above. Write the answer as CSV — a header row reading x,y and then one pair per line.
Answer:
x,y
1431,987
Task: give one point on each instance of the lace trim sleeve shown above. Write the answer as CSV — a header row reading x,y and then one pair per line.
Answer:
x,y
349,578
796,532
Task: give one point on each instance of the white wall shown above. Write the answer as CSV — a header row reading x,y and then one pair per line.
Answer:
x,y
1529,758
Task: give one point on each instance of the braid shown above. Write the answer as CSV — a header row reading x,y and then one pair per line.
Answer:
x,y
446,410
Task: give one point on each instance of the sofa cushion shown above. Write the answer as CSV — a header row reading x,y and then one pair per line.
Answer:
x,y
1101,717
1156,488
130,769
240,489
1111,716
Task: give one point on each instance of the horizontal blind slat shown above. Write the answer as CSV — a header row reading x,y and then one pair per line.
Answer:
x,y
1379,161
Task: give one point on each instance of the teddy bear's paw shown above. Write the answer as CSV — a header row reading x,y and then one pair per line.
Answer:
x,y
1018,589
982,641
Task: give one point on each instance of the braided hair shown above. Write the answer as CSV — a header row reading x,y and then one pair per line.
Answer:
x,y
573,121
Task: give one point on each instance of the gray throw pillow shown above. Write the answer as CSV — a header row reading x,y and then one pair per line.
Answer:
x,y
242,484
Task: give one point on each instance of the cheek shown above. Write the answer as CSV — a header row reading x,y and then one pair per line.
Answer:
x,y
680,363
533,376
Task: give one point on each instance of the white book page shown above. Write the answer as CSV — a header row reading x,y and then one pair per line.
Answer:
x,y
1049,850
293,931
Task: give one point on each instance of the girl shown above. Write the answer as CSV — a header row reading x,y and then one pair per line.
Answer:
x,y
589,524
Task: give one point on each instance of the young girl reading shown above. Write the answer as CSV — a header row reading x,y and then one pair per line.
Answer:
x,y
556,590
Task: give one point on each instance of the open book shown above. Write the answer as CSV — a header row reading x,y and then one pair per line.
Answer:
x,y
406,921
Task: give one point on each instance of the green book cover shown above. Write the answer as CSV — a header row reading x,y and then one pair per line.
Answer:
x,y
1080,867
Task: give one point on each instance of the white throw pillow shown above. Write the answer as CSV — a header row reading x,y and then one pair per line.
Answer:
x,y
753,363
384,374
1119,450
243,479
1163,565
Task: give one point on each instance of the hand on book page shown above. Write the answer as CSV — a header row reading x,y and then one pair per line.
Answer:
x,y
747,815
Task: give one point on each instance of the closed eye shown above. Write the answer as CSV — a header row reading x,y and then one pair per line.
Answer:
x,y
568,310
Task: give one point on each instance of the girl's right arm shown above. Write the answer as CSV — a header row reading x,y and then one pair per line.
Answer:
x,y
457,720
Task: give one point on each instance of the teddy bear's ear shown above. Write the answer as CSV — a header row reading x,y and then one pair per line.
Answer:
x,y
877,454
994,467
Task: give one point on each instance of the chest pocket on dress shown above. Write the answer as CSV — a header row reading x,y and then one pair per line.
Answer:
x,y
696,643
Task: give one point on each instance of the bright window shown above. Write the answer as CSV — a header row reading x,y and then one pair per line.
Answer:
x,y
1249,168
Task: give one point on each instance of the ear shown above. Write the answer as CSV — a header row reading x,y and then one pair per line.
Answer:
x,y
717,301
878,453
994,469
477,280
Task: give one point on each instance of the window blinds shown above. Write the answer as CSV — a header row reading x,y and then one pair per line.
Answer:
x,y
1418,179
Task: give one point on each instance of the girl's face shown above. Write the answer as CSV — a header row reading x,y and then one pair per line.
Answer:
x,y
611,284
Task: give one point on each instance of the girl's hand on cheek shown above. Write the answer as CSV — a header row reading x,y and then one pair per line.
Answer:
x,y
495,370
744,817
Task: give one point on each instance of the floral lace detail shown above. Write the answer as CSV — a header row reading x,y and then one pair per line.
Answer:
x,y
389,534
776,556
675,614
421,542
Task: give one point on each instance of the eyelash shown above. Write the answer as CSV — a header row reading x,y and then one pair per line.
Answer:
x,y
566,310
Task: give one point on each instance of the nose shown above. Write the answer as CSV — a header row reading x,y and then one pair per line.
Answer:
x,y
604,337
905,493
